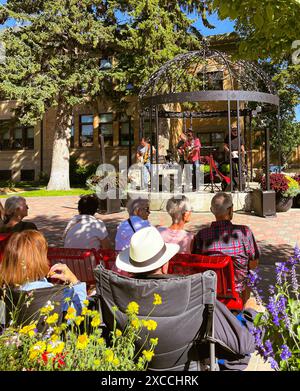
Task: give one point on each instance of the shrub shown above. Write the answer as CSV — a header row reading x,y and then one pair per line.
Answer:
x,y
77,343
277,330
80,173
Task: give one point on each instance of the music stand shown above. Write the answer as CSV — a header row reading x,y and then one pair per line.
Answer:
x,y
212,165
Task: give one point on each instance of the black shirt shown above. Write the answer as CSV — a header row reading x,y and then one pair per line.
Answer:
x,y
21,226
234,142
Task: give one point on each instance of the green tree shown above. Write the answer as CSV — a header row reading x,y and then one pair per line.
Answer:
x,y
270,27
52,59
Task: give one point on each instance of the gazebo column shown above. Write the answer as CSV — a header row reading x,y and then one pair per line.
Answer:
x,y
239,145
230,148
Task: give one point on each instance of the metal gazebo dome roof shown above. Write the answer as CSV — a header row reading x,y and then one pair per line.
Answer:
x,y
189,76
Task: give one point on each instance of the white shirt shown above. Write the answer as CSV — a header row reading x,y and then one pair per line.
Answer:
x,y
125,232
84,231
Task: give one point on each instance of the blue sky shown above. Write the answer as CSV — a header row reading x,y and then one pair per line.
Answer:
x,y
221,27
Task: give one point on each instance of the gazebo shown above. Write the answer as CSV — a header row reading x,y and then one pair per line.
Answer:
x,y
188,82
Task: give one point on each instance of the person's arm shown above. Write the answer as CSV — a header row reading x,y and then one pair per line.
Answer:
x,y
253,251
226,147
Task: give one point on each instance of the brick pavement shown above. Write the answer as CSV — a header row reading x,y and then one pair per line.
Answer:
x,y
276,236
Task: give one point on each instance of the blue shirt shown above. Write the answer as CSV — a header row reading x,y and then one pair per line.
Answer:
x,y
77,293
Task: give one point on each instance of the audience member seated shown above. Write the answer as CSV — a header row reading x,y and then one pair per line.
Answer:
x,y
139,211
84,230
25,266
234,240
180,212
15,209
180,317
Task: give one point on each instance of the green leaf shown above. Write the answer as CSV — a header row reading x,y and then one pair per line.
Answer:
x,y
270,12
258,20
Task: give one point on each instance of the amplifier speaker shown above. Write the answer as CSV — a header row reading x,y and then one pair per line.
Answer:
x,y
264,203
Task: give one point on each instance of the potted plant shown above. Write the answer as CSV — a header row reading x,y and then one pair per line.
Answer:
x,y
285,187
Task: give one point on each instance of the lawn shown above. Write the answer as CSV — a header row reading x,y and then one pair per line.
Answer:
x,y
48,193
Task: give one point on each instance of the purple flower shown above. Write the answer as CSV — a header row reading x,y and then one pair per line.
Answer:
x,y
269,348
273,363
272,289
281,272
285,352
273,309
294,279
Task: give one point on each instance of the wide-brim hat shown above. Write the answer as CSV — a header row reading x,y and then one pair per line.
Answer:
x,y
147,252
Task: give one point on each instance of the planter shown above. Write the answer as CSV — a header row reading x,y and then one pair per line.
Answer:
x,y
296,201
283,204
108,206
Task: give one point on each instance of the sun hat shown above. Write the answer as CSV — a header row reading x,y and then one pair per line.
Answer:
x,y
147,252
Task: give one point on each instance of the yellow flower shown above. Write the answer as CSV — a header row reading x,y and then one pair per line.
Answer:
x,y
52,319
54,338
29,330
149,324
96,363
59,348
96,321
86,302
47,309
136,323
148,354
101,341
71,313
133,308
116,361
82,341
67,299
157,299
109,355
84,311
118,333
63,326
95,313
114,308
37,349
78,320
154,341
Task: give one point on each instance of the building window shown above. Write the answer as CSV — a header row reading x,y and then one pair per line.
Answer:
x,y
5,175
214,139
86,130
212,80
15,136
124,124
106,127
27,175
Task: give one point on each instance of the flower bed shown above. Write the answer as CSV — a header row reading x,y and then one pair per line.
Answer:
x,y
77,343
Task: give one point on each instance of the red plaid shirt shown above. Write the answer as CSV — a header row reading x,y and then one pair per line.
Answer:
x,y
236,241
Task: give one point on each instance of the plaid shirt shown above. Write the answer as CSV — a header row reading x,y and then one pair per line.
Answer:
x,y
236,241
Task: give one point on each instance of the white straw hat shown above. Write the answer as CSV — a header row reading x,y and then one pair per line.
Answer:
x,y
147,252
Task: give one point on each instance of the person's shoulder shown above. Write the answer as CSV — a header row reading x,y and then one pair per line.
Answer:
x,y
28,225
245,229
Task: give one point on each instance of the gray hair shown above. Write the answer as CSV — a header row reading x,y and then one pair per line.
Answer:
x,y
176,207
135,204
220,203
11,205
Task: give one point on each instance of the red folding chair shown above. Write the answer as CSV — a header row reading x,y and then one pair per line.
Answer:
x,y
81,262
221,265
108,259
3,241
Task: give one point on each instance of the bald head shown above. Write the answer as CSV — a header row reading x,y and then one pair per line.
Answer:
x,y
221,205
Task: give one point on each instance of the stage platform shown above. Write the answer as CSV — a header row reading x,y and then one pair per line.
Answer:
x,y
200,200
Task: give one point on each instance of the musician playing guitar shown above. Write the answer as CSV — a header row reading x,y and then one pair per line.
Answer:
x,y
192,154
235,153
143,155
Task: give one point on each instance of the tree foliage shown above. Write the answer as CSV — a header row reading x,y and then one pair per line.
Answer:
x,y
268,27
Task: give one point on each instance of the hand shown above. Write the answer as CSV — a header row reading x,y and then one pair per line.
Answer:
x,y
63,273
252,304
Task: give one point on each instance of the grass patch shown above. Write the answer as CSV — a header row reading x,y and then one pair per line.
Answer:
x,y
49,193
